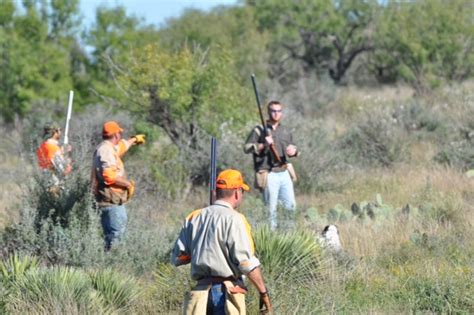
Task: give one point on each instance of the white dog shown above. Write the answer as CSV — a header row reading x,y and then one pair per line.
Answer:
x,y
330,238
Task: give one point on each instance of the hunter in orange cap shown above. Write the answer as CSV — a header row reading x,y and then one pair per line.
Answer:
x,y
231,179
110,185
110,128
217,241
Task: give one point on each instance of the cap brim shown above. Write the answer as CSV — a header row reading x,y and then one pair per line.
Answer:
x,y
245,187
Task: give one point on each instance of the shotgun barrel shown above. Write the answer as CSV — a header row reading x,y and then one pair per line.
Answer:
x,y
213,172
264,125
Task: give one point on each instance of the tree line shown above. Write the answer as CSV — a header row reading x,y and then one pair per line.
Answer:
x,y
174,76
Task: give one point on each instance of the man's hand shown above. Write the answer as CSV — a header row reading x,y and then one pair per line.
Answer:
x,y
265,304
139,139
66,148
291,150
269,140
131,190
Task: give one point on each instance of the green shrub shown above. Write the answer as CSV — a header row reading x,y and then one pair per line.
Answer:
x,y
15,266
374,139
416,117
46,291
457,148
169,287
117,292
459,154
294,268
293,254
440,295
319,159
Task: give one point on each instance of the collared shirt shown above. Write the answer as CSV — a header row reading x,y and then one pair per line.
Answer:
x,y
265,160
217,241
50,157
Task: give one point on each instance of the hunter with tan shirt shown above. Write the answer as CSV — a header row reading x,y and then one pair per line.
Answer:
x,y
217,241
110,185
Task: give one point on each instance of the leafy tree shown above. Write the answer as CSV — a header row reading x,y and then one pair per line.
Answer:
x,y
184,93
111,37
231,28
426,41
323,35
32,68
63,18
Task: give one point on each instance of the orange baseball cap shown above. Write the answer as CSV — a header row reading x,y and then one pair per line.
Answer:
x,y
110,128
231,179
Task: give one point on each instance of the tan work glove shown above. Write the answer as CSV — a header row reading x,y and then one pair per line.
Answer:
x,y
130,190
139,139
265,304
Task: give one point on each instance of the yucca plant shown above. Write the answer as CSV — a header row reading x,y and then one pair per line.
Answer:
x,y
170,285
16,266
295,268
295,253
53,290
117,291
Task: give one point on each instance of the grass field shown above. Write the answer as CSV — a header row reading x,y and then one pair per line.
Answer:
x,y
408,249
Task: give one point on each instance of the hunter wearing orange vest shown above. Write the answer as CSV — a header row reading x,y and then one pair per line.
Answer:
x,y
110,185
51,157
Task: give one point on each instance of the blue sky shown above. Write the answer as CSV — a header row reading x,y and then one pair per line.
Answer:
x,y
153,11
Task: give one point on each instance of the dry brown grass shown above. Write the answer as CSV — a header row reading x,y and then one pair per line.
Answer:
x,y
14,171
398,186
444,188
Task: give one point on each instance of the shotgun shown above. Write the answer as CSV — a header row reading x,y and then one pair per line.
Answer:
x,y
213,172
68,117
264,125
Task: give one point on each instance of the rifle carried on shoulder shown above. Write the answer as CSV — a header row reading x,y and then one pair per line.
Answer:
x,y
213,172
264,125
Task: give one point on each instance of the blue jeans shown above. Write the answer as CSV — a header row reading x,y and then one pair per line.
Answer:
x,y
279,189
216,299
114,223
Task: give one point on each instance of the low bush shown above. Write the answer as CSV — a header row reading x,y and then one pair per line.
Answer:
x,y
457,148
118,292
47,291
374,140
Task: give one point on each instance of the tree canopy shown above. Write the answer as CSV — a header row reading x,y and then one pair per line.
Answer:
x,y
46,50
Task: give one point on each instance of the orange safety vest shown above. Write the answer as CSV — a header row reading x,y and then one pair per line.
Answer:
x,y
107,165
46,153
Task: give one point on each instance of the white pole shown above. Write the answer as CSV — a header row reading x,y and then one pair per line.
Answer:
x,y
68,117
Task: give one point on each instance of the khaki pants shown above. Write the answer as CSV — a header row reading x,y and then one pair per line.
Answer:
x,y
195,302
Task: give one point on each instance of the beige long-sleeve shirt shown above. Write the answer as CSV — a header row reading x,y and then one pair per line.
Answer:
x,y
217,241
107,165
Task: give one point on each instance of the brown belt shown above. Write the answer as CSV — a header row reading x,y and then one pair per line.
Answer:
x,y
215,280
279,169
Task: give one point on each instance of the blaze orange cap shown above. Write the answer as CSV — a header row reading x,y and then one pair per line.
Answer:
x,y
231,179
111,128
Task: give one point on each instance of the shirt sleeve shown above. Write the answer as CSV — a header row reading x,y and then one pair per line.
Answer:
x,y
108,165
251,145
241,245
181,254
292,143
123,147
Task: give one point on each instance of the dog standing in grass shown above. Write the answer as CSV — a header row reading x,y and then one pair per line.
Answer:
x,y
330,238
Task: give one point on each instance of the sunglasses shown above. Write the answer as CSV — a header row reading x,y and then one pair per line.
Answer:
x,y
276,110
